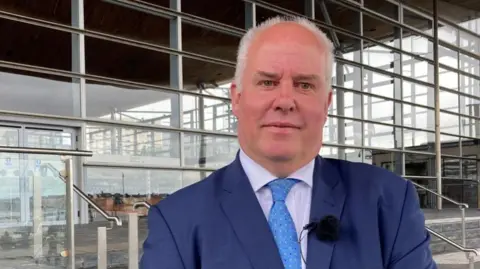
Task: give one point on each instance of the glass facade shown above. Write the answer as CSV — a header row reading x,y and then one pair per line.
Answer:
x,y
147,84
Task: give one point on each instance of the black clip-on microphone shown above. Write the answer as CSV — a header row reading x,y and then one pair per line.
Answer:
x,y
327,230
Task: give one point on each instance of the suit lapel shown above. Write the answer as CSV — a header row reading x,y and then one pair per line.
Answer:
x,y
242,209
328,197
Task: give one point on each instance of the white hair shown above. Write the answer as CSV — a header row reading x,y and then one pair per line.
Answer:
x,y
248,38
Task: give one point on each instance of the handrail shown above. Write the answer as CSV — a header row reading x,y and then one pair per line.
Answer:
x,y
46,151
142,203
457,246
85,197
441,196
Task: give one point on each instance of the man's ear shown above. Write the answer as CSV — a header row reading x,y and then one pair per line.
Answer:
x,y
329,100
235,95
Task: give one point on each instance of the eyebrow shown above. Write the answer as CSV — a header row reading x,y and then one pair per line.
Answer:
x,y
307,77
270,75
267,75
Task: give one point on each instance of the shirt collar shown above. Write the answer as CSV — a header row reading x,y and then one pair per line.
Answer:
x,y
259,176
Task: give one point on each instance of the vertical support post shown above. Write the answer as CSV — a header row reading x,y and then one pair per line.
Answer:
x,y
310,8
78,58
398,94
176,79
340,96
37,218
436,73
70,213
132,241
250,15
464,240
79,89
360,85
102,248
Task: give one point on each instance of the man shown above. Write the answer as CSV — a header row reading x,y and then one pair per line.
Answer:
x,y
252,213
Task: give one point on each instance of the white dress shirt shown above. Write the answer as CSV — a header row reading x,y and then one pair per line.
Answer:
x,y
298,199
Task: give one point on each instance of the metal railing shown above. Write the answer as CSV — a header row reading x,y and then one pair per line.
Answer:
x,y
467,251
85,197
45,151
141,204
462,207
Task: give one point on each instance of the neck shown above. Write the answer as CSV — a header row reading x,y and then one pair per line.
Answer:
x,y
279,167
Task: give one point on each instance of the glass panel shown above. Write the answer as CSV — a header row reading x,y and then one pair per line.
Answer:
x,y
141,105
469,42
418,140
448,79
470,126
133,146
419,117
231,12
417,44
108,186
209,151
27,91
449,123
135,64
379,136
34,45
448,34
207,78
215,115
378,109
419,22
126,22
199,40
54,11
351,104
448,57
449,101
10,207
33,199
378,84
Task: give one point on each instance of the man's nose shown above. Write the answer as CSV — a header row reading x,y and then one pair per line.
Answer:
x,y
285,99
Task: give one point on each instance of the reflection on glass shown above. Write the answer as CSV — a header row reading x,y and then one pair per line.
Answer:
x,y
214,115
129,146
116,190
26,92
132,104
209,151
32,196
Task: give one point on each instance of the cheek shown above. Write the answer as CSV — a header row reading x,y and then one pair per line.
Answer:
x,y
315,118
253,108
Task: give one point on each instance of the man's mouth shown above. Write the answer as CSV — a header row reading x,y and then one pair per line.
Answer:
x,y
282,125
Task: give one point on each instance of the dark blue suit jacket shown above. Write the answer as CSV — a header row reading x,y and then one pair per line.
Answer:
x,y
218,223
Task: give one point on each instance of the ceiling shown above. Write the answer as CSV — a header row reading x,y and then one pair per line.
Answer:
x,y
38,46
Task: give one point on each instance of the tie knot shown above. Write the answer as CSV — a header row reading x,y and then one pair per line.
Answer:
x,y
281,187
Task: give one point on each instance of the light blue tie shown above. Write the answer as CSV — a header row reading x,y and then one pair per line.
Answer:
x,y
282,225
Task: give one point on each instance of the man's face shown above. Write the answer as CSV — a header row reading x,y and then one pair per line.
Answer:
x,y
283,104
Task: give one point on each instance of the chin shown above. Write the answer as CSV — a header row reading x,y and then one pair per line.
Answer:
x,y
280,153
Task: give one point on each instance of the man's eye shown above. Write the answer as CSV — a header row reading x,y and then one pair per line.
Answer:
x,y
305,86
267,83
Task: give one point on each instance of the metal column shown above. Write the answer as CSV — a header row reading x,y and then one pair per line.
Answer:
x,y
250,15
398,95
70,213
436,73
340,77
176,79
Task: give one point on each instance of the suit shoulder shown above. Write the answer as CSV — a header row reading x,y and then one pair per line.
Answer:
x,y
368,175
